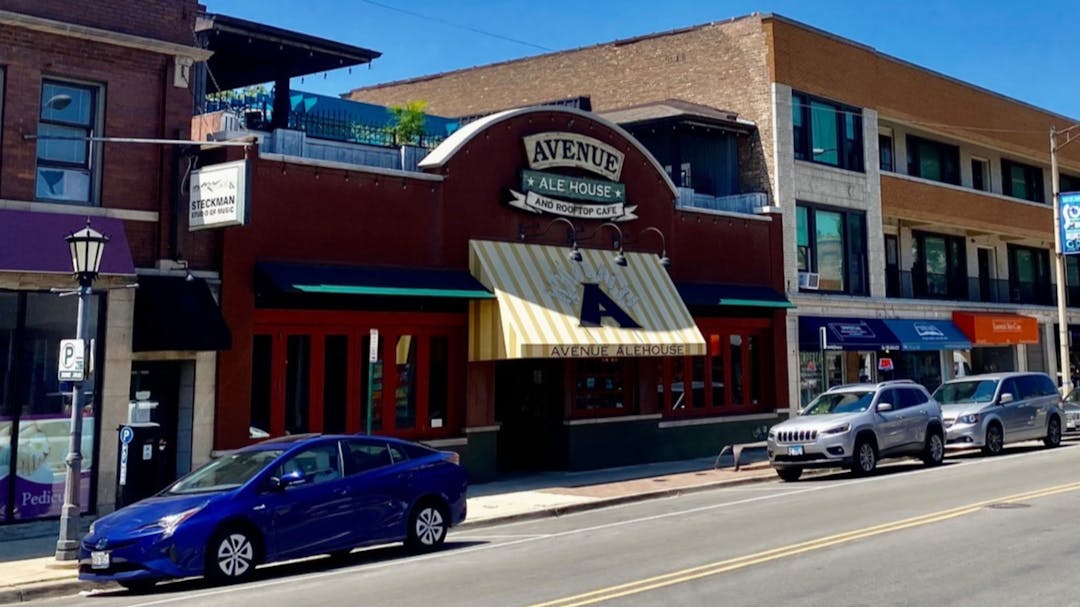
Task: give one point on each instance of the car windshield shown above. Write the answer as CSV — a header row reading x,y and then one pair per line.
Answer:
x,y
840,402
959,392
227,472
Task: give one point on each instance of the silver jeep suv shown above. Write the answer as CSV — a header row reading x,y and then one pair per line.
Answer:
x,y
853,426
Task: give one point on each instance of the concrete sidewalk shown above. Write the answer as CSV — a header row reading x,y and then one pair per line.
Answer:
x,y
28,570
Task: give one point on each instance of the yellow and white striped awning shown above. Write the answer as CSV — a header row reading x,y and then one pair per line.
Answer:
x,y
542,297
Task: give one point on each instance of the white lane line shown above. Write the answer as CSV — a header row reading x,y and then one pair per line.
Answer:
x,y
296,579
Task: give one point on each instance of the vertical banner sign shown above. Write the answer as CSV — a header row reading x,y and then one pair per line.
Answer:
x,y
219,196
373,357
1070,222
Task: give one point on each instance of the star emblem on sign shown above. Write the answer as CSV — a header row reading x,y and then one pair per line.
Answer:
x,y
530,180
618,194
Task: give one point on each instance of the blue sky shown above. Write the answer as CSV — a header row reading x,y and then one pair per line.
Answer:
x,y
1023,49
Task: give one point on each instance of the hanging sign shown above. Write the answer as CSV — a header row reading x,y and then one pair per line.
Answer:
x,y
218,196
1069,215
71,365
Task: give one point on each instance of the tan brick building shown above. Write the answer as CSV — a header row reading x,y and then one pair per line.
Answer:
x,y
910,197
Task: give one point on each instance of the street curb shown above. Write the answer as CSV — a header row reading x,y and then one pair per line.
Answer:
x,y
557,511
43,590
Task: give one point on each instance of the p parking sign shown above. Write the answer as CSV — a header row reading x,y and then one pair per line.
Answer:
x,y
71,365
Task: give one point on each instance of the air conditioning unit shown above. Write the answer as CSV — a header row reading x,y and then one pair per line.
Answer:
x,y
808,280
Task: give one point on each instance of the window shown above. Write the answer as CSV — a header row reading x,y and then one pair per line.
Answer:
x,y
832,243
361,456
335,383
66,167
827,132
980,174
1029,275
319,464
730,378
405,394
1022,181
297,383
600,385
261,367
1066,183
885,152
933,160
940,266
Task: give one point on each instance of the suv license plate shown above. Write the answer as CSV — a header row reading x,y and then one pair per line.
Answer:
x,y
795,450
99,560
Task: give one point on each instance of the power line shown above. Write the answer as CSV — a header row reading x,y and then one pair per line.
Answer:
x,y
457,25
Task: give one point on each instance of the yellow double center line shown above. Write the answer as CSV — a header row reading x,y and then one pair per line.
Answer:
x,y
701,571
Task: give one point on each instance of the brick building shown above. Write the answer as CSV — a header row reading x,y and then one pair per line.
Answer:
x,y
67,77
918,237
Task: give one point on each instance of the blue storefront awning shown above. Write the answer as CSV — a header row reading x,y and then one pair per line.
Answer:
x,y
846,334
928,335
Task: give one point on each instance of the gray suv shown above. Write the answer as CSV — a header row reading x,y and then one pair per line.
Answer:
x,y
991,410
853,426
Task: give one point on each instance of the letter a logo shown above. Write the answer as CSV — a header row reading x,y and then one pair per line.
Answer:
x,y
595,305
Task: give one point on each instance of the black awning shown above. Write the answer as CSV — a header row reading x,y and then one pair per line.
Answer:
x,y
709,294
173,313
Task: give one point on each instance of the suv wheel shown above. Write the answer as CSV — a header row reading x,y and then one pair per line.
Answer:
x,y
995,440
865,457
789,475
1053,432
934,452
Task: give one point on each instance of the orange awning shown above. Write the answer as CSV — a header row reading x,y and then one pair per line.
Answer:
x,y
986,329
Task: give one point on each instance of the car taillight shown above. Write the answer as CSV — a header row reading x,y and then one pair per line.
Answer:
x,y
451,457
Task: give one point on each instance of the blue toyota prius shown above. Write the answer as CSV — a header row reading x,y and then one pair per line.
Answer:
x,y
280,499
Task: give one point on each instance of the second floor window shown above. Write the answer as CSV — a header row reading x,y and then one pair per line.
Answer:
x,y
66,161
940,267
885,152
1066,183
832,244
1022,181
980,174
827,132
1029,275
933,160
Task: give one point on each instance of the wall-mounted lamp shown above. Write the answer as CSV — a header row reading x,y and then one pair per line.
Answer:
x,y
571,235
664,259
620,258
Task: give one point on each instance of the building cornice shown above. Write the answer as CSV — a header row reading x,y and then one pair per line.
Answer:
x,y
85,32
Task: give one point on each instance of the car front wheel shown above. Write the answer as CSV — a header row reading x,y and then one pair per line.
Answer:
x,y
995,440
1053,433
789,475
865,457
428,524
231,556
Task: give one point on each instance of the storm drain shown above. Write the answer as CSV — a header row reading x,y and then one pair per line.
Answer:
x,y
1008,506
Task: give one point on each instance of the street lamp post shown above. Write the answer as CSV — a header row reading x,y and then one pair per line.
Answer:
x,y
87,246
1059,255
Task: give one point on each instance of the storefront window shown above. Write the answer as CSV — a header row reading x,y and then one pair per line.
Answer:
x,y
993,360
716,358
921,367
371,400
599,384
811,377
261,371
733,367
736,369
439,382
405,393
297,383
335,382
34,471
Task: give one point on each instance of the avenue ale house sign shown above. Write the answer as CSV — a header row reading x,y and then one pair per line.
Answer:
x,y
552,305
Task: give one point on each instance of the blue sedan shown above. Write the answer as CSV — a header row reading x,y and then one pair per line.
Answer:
x,y
280,499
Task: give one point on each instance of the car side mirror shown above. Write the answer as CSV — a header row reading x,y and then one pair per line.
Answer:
x,y
288,480
883,407
1007,397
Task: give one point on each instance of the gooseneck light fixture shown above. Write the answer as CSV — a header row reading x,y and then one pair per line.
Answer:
x,y
571,235
664,259
620,257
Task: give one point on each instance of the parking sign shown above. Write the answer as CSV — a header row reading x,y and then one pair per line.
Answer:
x,y
1070,222
71,365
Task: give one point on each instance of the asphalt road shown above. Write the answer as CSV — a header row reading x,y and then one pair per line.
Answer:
x,y
977,531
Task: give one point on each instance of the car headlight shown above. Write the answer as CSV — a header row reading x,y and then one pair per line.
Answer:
x,y
772,434
838,430
92,526
971,418
168,524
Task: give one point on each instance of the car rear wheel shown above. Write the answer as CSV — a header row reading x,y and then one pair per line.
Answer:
x,y
995,440
934,452
789,475
1053,433
231,555
428,524
865,457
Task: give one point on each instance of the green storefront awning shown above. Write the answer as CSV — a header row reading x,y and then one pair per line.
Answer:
x,y
314,279
709,294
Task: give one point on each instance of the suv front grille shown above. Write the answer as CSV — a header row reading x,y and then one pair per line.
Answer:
x,y
796,436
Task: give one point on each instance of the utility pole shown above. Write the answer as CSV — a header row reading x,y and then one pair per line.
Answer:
x,y
1059,258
